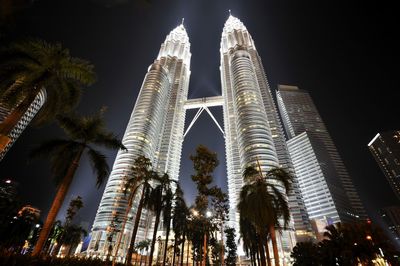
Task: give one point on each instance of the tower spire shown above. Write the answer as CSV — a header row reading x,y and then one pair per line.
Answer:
x,y
183,20
230,14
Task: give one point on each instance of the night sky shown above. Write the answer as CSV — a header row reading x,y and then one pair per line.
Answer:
x,y
346,56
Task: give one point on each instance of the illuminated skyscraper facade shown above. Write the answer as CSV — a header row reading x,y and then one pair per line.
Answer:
x,y
23,122
253,132
385,147
155,130
327,188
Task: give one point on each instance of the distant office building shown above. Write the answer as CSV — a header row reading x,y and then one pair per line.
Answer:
x,y
326,186
391,216
8,141
385,147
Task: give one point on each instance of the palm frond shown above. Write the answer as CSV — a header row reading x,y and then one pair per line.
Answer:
x,y
283,177
72,126
250,173
79,70
109,140
99,165
49,147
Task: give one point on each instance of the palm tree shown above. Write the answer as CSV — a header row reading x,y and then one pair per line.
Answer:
x,y
72,236
65,155
139,172
252,244
30,66
305,254
143,246
264,204
179,221
142,178
160,201
167,210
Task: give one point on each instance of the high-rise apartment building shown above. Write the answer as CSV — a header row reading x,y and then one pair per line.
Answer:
x,y
325,184
8,141
155,130
385,147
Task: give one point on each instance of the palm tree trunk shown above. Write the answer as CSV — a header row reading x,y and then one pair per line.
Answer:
x,y
153,242
13,118
187,254
222,255
274,245
261,249
128,209
267,252
57,203
166,242
183,248
175,247
135,228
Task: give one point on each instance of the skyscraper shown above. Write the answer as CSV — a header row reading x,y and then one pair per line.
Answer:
x,y
155,130
385,147
253,132
9,140
391,216
327,188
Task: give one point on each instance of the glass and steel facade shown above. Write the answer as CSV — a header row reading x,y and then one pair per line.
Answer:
x,y
155,130
316,159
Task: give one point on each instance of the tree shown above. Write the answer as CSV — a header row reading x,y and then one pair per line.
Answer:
x,y
65,154
64,233
263,203
204,163
72,236
30,66
141,178
252,244
74,206
220,207
305,254
231,246
167,216
19,228
143,246
154,203
351,243
179,222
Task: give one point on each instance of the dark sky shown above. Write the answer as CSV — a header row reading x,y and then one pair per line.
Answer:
x,y
345,55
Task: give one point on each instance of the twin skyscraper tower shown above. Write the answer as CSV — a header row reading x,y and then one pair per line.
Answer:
x,y
252,131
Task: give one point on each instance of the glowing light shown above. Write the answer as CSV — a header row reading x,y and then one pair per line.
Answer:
x,y
8,181
208,214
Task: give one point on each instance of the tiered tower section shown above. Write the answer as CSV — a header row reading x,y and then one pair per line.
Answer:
x,y
155,130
